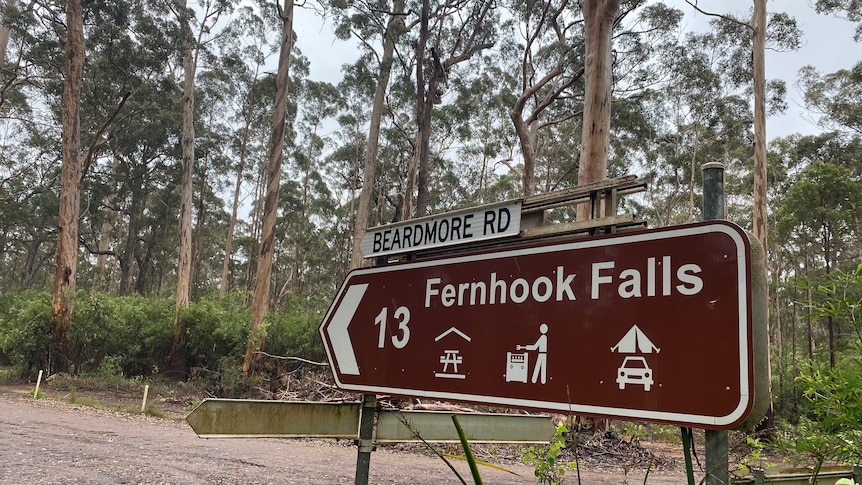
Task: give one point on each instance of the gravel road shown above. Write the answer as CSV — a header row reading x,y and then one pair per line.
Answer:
x,y
53,442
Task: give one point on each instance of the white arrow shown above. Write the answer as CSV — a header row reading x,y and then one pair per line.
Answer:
x,y
338,336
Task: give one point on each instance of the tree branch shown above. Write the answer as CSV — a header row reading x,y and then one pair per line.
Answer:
x,y
97,137
723,17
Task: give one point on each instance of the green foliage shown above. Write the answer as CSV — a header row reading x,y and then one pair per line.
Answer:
x,y
217,332
821,210
292,330
842,301
97,331
25,323
114,336
546,462
829,428
468,452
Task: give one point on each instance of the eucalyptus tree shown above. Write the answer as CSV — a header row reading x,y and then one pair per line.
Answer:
x,y
319,103
67,231
549,48
365,21
87,124
850,9
240,88
549,67
835,97
349,169
821,212
28,219
135,146
261,297
482,141
745,70
697,116
191,37
797,268
453,32
142,147
599,18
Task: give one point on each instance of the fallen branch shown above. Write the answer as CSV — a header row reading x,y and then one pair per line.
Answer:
x,y
299,359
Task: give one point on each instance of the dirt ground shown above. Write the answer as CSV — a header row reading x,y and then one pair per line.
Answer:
x,y
79,435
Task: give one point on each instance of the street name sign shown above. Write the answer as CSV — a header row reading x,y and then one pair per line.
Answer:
x,y
657,325
492,221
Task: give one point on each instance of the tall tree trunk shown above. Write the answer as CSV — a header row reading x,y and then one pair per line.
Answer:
x,y
759,55
599,18
758,21
243,158
393,30
527,128
260,299
469,42
4,35
422,181
28,274
184,259
230,228
99,280
416,160
254,235
200,221
808,320
70,186
135,212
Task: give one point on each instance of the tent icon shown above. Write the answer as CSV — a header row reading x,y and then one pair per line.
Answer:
x,y
635,369
635,341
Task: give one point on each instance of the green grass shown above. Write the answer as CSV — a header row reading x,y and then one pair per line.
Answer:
x,y
85,401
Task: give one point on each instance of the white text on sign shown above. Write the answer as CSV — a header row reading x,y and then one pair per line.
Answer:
x,y
655,278
493,221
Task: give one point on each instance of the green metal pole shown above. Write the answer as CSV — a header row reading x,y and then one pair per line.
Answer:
x,y
366,438
716,458
717,462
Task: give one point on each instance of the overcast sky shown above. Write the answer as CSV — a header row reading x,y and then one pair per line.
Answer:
x,y
827,45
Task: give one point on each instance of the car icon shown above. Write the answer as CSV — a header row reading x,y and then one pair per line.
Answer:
x,y
635,371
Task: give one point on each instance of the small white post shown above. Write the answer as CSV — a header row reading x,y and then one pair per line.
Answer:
x,y
144,402
38,382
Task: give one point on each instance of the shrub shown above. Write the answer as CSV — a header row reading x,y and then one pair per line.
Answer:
x,y
25,326
217,332
292,331
128,335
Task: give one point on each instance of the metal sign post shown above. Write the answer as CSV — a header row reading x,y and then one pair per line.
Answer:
x,y
365,444
717,461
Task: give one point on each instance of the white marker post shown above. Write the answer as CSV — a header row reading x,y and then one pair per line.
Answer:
x,y
38,382
144,402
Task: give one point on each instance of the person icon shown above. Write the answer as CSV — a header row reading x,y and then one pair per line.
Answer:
x,y
541,345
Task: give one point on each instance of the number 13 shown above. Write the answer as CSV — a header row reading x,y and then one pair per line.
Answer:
x,y
402,315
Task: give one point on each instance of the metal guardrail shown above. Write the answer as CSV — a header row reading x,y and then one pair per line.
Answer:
x,y
828,475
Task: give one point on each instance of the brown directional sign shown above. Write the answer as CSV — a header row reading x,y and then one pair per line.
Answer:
x,y
654,325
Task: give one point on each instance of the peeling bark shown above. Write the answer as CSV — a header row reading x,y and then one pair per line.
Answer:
x,y
599,18
260,299
70,191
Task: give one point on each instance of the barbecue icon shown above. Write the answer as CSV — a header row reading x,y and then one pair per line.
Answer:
x,y
518,363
